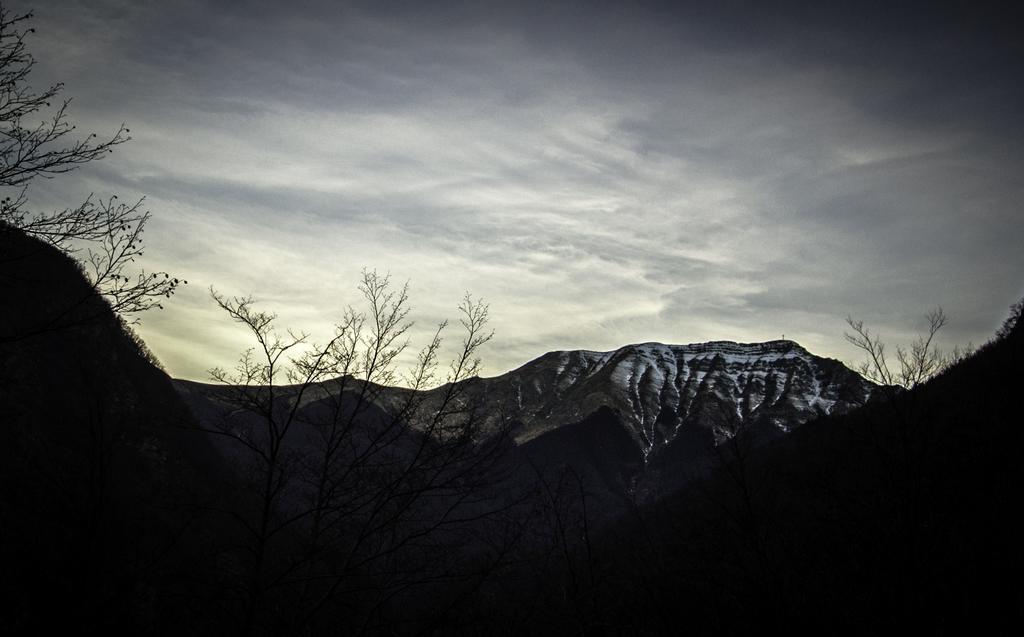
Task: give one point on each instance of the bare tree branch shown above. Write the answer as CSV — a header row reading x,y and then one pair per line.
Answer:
x,y
104,235
918,363
388,472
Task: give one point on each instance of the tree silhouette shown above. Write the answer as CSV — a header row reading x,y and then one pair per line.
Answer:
x,y
38,140
914,365
354,492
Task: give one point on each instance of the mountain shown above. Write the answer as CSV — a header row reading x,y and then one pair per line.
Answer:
x,y
654,407
658,391
640,421
635,423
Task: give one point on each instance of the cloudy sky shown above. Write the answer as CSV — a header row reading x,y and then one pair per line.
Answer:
x,y
601,174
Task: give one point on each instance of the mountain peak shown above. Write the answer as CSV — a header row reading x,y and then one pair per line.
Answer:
x,y
708,347
658,390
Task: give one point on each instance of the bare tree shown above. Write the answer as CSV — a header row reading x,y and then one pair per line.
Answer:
x,y
914,365
352,482
38,140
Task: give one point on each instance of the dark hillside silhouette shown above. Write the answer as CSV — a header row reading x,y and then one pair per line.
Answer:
x,y
900,516
95,470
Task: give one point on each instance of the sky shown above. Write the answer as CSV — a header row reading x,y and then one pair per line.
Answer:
x,y
599,173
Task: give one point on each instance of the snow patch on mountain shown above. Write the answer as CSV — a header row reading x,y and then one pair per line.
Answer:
x,y
659,389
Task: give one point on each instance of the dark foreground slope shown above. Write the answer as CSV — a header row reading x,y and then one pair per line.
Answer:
x,y
900,517
95,467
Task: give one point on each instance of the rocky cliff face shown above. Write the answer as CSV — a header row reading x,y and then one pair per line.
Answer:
x,y
659,391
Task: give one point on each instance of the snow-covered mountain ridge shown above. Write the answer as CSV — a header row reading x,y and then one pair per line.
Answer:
x,y
672,401
659,390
